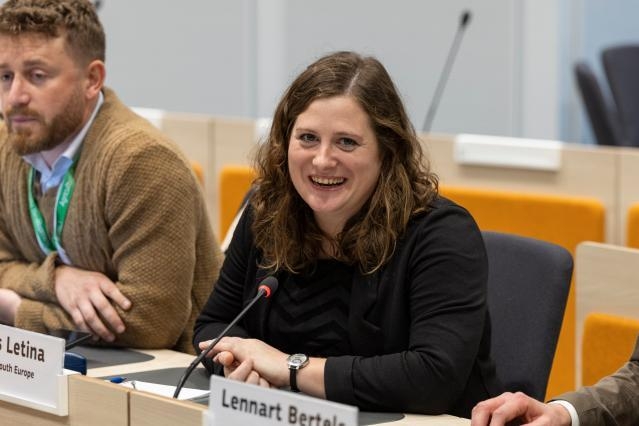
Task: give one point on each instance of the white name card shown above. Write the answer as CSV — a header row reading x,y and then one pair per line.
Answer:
x,y
234,403
31,370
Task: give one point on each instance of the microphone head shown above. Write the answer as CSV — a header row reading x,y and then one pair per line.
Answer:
x,y
268,285
465,18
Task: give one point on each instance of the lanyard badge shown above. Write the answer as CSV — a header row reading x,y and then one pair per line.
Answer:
x,y
52,243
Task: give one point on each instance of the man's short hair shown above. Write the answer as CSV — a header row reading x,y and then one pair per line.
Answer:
x,y
77,20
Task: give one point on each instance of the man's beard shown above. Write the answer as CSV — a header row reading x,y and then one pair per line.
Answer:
x,y
60,128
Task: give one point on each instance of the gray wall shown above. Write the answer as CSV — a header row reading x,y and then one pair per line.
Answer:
x,y
512,76
191,56
235,57
412,39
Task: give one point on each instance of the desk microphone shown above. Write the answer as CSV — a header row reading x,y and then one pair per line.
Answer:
x,y
463,23
267,287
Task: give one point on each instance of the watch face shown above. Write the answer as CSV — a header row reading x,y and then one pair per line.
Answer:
x,y
297,361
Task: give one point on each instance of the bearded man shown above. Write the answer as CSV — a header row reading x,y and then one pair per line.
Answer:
x,y
103,225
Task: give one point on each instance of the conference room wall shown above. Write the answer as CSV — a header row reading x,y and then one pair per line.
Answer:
x,y
513,75
235,57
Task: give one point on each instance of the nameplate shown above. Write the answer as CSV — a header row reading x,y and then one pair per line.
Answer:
x,y
234,403
31,370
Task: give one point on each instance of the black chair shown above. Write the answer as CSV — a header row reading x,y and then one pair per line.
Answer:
x,y
621,64
603,117
528,283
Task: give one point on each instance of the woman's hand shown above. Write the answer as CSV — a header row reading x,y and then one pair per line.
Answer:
x,y
240,371
227,360
251,361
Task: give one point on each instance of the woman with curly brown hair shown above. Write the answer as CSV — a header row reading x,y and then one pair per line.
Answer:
x,y
382,294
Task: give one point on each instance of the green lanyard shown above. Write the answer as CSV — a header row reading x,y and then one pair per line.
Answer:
x,y
65,190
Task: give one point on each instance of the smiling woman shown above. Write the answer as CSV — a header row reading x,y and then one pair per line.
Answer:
x,y
382,295
333,159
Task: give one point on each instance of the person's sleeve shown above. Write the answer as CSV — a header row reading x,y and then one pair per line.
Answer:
x,y
30,280
41,317
447,299
226,299
33,282
614,400
154,211
574,417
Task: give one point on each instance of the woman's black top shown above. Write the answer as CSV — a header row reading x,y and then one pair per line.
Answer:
x,y
417,330
309,312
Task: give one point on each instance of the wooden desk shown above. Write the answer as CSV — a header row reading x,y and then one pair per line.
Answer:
x,y
95,402
162,358
628,190
607,278
91,402
153,410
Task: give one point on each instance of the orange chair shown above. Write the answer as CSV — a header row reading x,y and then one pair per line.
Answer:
x,y
235,181
198,171
562,220
632,228
608,342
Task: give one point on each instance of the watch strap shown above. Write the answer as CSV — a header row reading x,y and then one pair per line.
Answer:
x,y
293,379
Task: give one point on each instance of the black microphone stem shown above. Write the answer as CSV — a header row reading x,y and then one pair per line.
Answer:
x,y
202,354
443,78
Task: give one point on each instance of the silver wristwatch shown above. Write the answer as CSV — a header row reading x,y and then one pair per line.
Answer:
x,y
295,362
